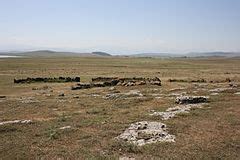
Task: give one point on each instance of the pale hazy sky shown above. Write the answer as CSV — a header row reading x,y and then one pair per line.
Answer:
x,y
120,26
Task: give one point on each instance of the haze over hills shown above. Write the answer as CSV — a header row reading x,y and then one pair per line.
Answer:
x,y
156,55
214,54
193,54
49,53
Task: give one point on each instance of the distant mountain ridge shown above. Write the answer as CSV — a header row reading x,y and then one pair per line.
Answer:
x,y
156,55
49,53
193,54
101,53
214,54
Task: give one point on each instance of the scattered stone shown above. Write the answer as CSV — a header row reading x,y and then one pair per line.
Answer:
x,y
65,127
141,83
81,86
131,93
214,94
237,93
141,133
48,95
158,97
115,91
16,122
61,95
156,94
171,112
177,94
76,96
176,89
191,99
220,89
233,85
228,80
95,95
62,100
126,158
28,100
155,81
42,88
112,96
201,85
112,88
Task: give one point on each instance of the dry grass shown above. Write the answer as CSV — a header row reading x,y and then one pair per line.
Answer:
x,y
212,132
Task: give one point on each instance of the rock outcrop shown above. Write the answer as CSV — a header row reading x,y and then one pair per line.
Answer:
x,y
141,133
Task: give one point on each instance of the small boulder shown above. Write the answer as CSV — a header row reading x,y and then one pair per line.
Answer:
x,y
191,99
61,95
65,127
112,88
2,96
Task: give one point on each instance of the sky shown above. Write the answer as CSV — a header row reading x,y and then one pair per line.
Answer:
x,y
120,26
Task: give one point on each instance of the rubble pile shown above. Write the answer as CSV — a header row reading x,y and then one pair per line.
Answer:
x,y
171,112
131,93
141,133
115,81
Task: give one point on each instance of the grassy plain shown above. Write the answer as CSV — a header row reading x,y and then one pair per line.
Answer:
x,y
212,132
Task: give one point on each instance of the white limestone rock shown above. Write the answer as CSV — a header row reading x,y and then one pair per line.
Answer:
x,y
141,133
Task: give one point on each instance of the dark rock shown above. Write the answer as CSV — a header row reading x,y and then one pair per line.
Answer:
x,y
191,99
103,79
54,80
82,86
61,95
77,79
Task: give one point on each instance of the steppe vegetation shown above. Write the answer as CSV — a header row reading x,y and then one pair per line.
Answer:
x,y
50,120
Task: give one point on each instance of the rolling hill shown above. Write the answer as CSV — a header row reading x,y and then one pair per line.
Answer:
x,y
49,53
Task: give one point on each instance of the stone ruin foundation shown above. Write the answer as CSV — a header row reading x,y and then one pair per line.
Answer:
x,y
116,81
141,133
186,104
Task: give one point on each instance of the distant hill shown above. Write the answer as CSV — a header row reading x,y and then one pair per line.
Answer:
x,y
49,53
164,55
101,54
214,54
193,54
